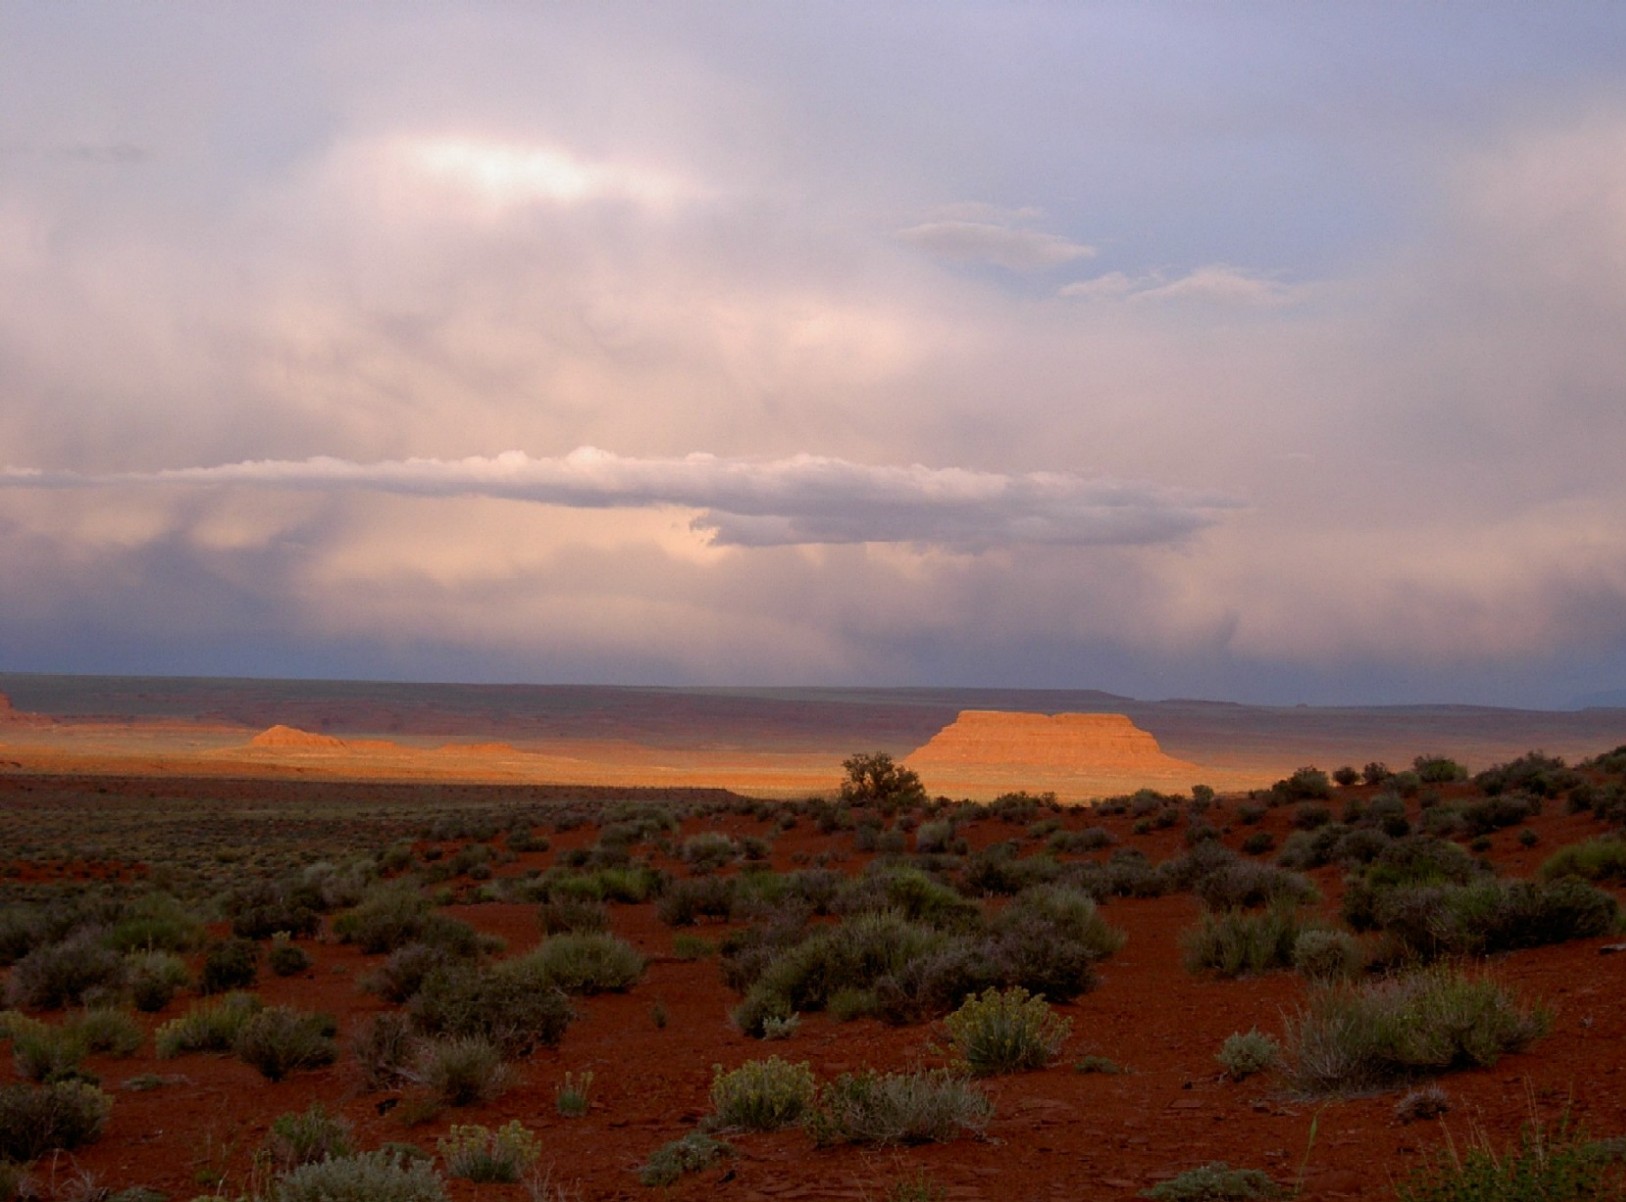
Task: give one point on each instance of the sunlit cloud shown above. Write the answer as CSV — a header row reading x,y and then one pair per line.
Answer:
x,y
506,174
805,499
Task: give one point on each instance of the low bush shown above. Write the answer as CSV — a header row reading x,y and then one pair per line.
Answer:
x,y
279,1040
588,962
109,1030
1592,860
1246,1053
1327,955
1496,813
1214,1182
687,901
156,922
898,1108
55,975
762,1095
1251,886
513,1004
560,914
393,915
311,1136
1239,943
233,964
36,1119
1557,1166
479,1154
690,1154
152,979
463,1070
1488,916
207,1027
380,1176
43,1052
287,959
1350,1038
1006,1032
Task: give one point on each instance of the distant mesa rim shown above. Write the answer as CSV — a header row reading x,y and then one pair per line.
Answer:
x,y
1046,746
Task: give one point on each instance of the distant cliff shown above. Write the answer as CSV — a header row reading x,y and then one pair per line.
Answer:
x,y
1065,753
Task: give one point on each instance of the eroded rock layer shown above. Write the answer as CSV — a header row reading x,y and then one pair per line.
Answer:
x,y
1061,752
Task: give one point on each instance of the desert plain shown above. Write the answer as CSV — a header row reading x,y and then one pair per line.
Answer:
x,y
500,805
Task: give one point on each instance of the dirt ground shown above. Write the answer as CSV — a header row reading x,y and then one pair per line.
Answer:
x,y
185,1124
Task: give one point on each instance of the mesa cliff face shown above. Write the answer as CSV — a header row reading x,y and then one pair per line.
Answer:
x,y
1072,755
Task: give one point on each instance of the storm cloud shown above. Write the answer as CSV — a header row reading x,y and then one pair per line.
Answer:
x,y
1249,352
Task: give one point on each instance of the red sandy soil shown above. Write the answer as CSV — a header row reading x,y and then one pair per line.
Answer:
x,y
1058,1134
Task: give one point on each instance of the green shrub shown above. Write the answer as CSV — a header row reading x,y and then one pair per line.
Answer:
x,y
898,1108
207,1027
42,1052
109,1030
1350,1038
690,1154
1214,1182
560,914
687,901
233,964
513,1004
463,1070
393,915
306,1138
278,1040
1250,886
692,947
378,1176
1246,1053
55,975
287,959
762,1095
1007,1032
1326,955
477,1153
152,979
156,922
1438,770
588,962
1238,943
1592,860
1487,916
35,1119
708,851
1557,1166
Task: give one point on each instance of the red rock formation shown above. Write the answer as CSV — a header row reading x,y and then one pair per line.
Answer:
x,y
1071,754
289,738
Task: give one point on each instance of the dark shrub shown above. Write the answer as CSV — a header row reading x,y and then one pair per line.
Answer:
x,y
572,914
287,959
1533,773
55,975
1306,784
279,1040
513,1004
911,893
1237,943
1350,1039
36,1119
585,962
264,908
1438,770
686,901
156,922
1495,813
1250,886
234,964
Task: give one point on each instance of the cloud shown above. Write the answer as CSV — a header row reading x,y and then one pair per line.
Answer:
x,y
1216,283
1000,244
506,173
805,499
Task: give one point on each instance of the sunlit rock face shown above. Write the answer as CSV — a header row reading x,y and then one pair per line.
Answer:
x,y
294,739
1070,754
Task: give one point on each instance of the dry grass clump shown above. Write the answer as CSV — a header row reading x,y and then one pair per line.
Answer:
x,y
1007,1031
762,1095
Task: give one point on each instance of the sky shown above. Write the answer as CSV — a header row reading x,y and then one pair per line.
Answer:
x,y
1265,352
